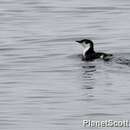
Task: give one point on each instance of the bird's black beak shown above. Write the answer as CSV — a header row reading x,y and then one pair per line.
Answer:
x,y
78,41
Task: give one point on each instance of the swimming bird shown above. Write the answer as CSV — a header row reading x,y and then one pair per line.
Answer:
x,y
89,54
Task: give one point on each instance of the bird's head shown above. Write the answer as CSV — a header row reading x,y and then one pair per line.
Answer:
x,y
85,42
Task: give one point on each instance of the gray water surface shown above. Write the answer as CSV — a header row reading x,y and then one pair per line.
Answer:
x,y
44,84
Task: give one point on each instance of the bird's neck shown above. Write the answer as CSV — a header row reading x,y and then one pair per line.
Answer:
x,y
88,50
91,46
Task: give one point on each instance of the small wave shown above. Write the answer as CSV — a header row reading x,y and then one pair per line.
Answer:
x,y
123,61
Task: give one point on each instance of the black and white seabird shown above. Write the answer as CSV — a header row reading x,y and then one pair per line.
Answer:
x,y
89,53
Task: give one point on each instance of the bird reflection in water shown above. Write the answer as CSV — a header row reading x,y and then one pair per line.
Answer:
x,y
88,76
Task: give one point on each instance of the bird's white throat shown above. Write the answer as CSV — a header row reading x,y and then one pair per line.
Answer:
x,y
85,47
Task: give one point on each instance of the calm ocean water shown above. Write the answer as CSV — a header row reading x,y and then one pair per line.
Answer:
x,y
44,84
